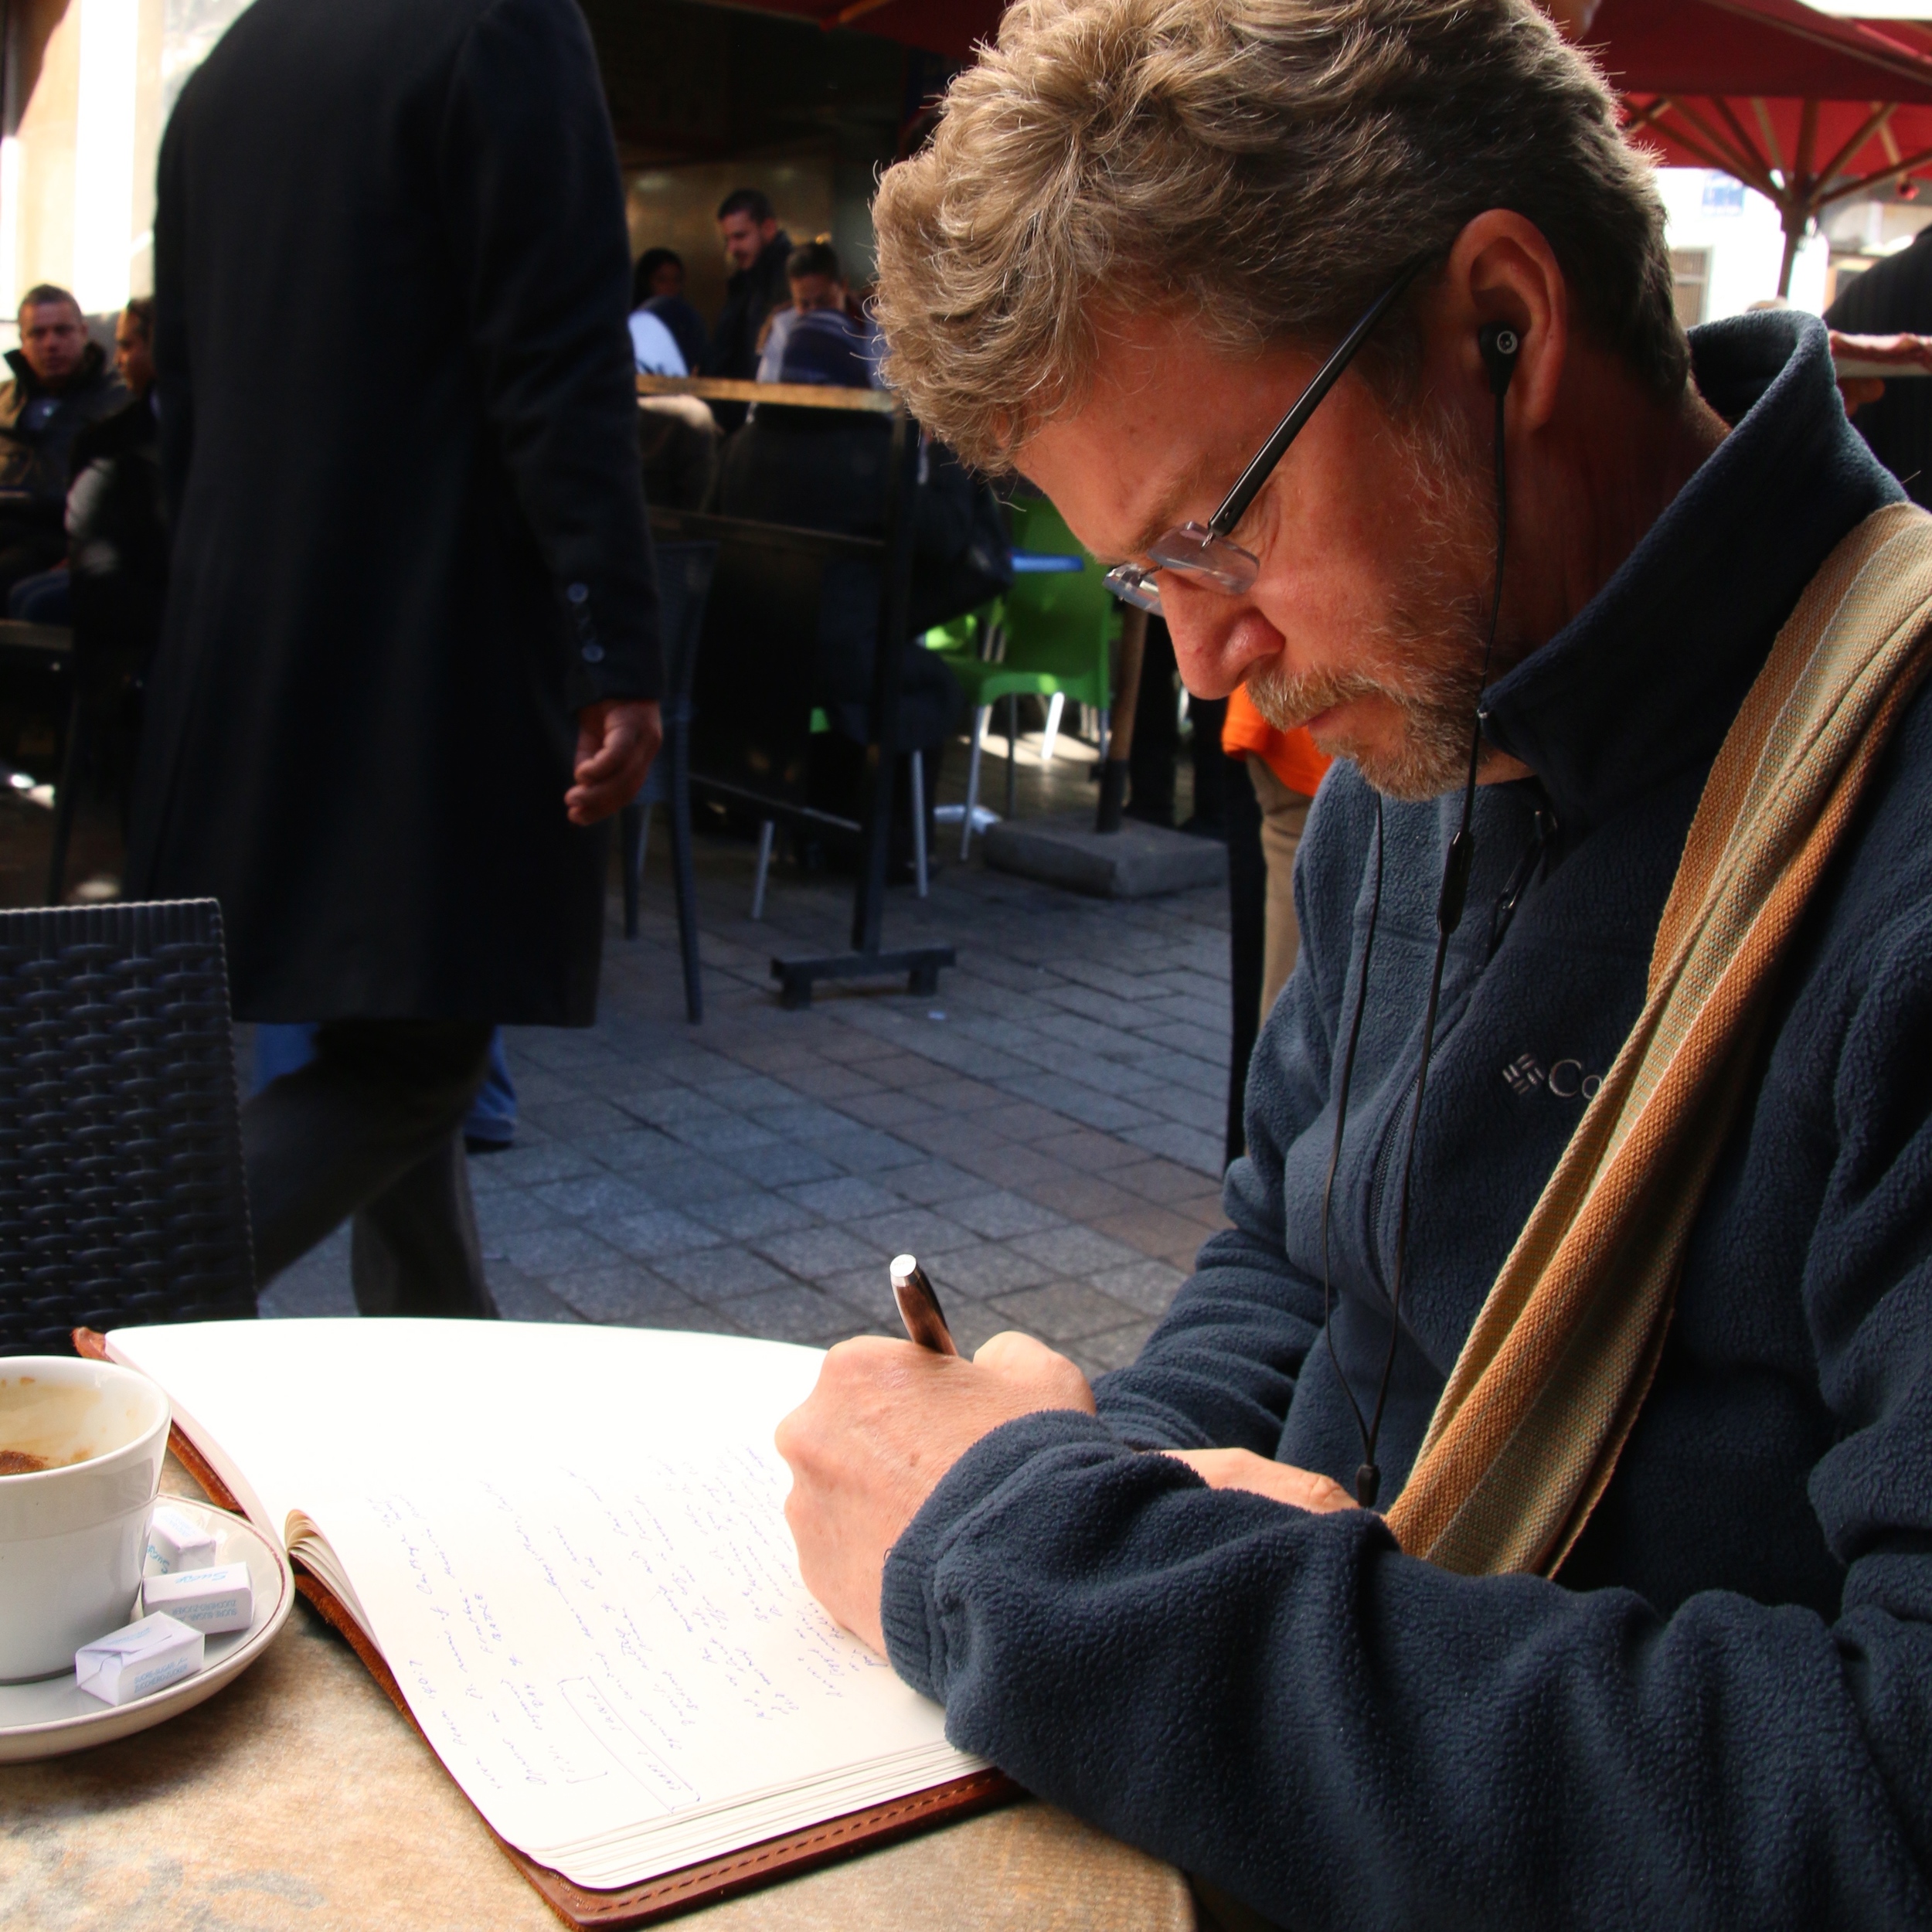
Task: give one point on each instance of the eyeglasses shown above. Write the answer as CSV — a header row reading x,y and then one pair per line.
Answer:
x,y
1204,553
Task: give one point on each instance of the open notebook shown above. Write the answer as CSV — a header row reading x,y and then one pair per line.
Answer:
x,y
568,1547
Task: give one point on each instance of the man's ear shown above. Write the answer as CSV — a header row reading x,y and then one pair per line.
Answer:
x,y
1502,270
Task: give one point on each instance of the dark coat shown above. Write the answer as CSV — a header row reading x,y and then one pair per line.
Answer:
x,y
117,538
38,428
750,295
1718,1714
392,278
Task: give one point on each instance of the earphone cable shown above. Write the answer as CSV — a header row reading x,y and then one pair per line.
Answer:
x,y
1455,882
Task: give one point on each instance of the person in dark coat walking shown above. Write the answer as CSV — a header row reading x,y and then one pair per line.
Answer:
x,y
410,657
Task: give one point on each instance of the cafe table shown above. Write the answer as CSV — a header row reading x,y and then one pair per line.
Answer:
x,y
299,1797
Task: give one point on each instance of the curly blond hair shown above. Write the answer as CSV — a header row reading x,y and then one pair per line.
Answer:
x,y
1266,165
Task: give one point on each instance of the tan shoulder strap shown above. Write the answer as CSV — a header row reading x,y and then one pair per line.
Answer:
x,y
1550,1380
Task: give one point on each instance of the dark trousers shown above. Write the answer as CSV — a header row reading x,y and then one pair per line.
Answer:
x,y
372,1127
1156,743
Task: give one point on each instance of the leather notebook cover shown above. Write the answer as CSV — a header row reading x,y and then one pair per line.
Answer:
x,y
670,1893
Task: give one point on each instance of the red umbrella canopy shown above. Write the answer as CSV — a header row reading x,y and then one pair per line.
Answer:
x,y
1806,108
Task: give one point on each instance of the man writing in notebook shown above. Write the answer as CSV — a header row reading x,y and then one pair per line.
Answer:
x,y
1423,1570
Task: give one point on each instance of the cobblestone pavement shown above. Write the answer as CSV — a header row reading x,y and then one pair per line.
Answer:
x,y
1044,1132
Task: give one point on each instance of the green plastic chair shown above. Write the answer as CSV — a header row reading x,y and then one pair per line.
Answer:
x,y
1053,630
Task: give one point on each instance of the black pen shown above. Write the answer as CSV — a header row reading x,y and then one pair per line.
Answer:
x,y
919,1306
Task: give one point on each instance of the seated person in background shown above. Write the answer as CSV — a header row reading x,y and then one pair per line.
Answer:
x,y
1522,1518
821,321
117,538
654,347
657,284
61,382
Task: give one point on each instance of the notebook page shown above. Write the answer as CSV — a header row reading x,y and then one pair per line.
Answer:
x,y
570,1546
593,1652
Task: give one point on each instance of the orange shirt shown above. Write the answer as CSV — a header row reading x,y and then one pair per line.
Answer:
x,y
1291,756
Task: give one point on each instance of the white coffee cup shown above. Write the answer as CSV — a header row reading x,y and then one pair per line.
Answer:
x,y
72,1534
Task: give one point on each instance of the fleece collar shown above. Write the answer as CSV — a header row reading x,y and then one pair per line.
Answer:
x,y
1645,680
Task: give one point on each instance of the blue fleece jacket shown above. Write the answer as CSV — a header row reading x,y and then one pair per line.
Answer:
x,y
1721,1713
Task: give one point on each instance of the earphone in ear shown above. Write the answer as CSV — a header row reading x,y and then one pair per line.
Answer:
x,y
1500,344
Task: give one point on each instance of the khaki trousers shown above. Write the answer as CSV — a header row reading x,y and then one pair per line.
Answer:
x,y
1284,816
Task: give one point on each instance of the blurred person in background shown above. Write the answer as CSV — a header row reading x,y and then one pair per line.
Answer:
x,y
757,248
116,585
653,348
61,382
821,307
410,660
657,284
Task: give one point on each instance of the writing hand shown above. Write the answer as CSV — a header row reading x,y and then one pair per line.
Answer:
x,y
870,1444
616,741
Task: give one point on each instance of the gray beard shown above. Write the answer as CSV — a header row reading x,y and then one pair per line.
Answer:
x,y
1433,690
1426,658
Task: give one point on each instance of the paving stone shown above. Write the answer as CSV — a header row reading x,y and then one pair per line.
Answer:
x,y
728,1135
519,1299
1063,1311
1097,1354
742,1216
690,1177
1001,1213
864,1149
1075,1196
631,1147
658,1232
810,1253
1151,1230
930,1182
1072,1251
1206,1153
988,1269
673,1106
568,1119
1147,1286
1109,1112
633,1297
509,1210
911,1230
1095,1153
793,1313
527,1164
540,1252
781,1164
844,1199
831,1082
719,1275
593,1197
1021,1121
885,1109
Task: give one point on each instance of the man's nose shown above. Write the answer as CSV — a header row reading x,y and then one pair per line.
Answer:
x,y
1218,639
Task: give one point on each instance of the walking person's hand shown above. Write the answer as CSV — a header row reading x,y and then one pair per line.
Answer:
x,y
616,742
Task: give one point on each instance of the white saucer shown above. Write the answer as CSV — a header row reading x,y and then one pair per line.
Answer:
x,y
45,1718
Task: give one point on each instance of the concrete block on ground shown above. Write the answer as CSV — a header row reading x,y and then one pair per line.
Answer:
x,y
1138,862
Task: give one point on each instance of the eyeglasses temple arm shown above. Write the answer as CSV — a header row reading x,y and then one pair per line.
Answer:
x,y
1235,505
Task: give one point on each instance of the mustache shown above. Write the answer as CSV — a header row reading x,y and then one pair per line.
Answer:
x,y
1432,691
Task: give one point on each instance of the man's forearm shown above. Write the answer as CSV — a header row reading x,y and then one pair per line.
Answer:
x,y
1344,1736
